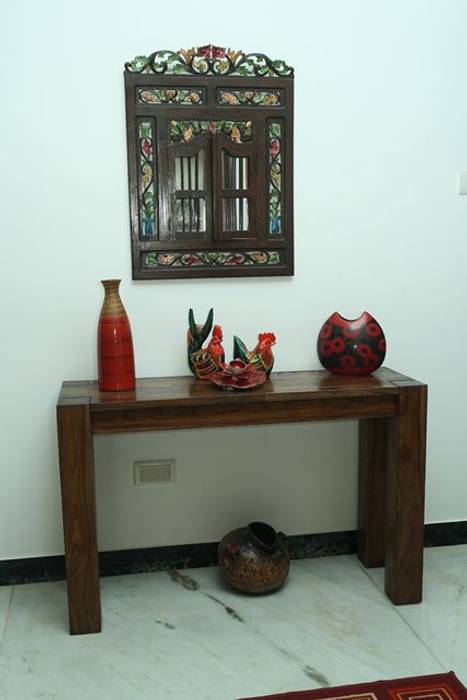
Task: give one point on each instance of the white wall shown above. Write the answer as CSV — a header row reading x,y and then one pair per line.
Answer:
x,y
381,132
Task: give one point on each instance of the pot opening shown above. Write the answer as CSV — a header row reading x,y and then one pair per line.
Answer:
x,y
264,534
351,320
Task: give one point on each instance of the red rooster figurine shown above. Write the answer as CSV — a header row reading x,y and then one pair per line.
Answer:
x,y
261,357
215,348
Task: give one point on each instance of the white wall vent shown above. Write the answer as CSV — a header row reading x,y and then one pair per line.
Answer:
x,y
158,471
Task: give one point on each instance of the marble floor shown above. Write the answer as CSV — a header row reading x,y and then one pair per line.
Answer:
x,y
184,635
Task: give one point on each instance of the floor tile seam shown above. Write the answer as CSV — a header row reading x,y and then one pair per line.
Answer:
x,y
401,617
7,619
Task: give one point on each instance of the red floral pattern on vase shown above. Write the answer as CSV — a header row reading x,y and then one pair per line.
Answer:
x,y
351,346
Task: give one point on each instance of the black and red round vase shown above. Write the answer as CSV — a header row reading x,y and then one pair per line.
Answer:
x,y
351,346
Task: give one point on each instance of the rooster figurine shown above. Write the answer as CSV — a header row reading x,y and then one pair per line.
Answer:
x,y
261,357
215,348
204,361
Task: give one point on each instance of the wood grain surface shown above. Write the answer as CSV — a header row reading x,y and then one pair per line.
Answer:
x,y
391,409
405,498
79,517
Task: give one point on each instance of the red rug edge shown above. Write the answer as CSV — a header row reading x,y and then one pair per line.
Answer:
x,y
449,678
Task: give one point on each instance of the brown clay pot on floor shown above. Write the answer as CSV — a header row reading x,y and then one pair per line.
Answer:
x,y
254,559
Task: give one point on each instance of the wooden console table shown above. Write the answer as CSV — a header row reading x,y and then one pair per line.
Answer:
x,y
390,407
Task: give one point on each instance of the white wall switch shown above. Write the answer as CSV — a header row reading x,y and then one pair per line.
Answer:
x,y
463,182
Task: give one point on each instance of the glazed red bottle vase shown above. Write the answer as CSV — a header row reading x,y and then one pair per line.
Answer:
x,y
116,363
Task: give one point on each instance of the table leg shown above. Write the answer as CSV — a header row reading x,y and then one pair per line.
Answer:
x,y
405,497
79,517
373,443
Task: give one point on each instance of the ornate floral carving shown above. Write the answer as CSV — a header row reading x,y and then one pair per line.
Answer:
x,y
146,184
209,60
212,259
160,96
275,178
255,98
239,132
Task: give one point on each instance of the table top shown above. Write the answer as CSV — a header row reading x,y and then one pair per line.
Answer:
x,y
189,391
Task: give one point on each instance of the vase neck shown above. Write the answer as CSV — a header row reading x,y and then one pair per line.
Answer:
x,y
112,303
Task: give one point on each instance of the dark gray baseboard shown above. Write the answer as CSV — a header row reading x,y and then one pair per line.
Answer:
x,y
135,561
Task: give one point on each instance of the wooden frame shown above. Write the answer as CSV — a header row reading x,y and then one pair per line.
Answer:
x,y
198,88
390,408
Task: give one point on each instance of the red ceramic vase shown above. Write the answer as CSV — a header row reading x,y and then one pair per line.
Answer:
x,y
116,364
351,346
